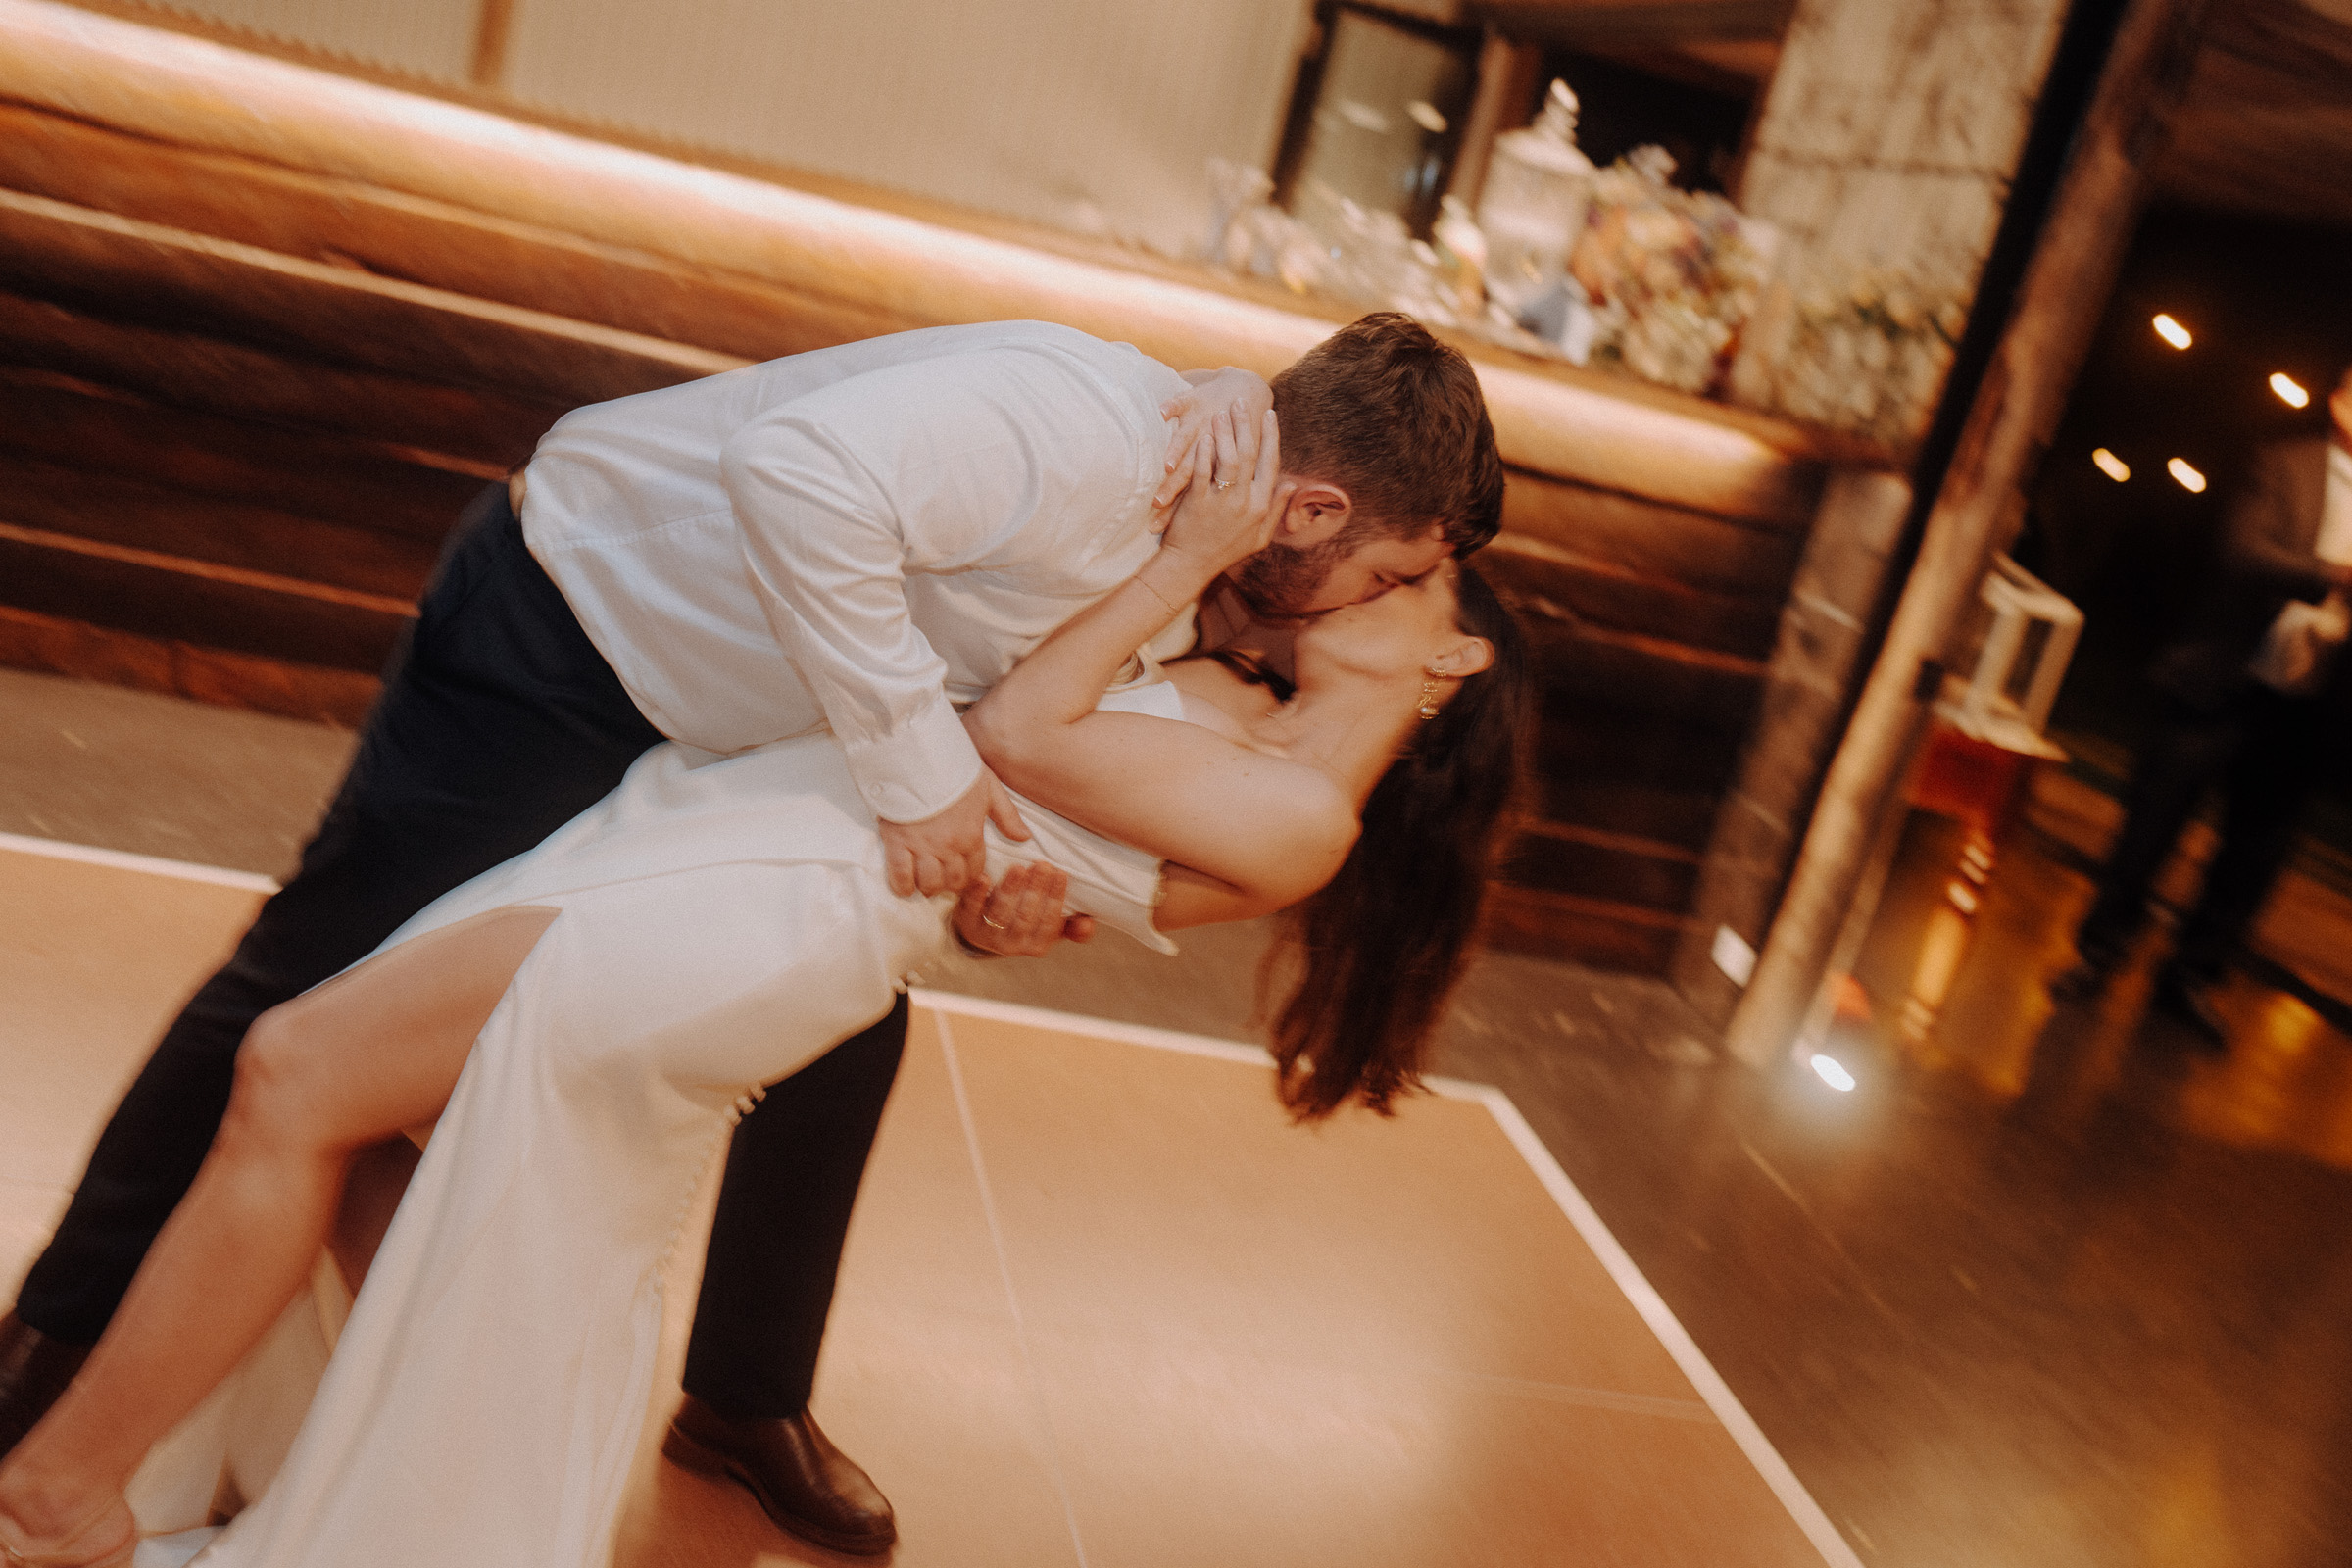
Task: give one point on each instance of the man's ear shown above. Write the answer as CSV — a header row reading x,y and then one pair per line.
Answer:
x,y
1469,657
1318,512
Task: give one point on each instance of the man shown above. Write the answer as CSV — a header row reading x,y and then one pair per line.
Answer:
x,y
855,538
2255,700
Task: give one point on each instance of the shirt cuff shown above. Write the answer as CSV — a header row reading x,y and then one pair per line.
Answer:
x,y
918,769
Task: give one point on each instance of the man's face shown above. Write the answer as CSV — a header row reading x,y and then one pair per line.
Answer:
x,y
1284,583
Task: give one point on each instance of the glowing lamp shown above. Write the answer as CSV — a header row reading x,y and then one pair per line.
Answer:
x,y
2171,331
2189,478
1830,1071
2113,466
2290,391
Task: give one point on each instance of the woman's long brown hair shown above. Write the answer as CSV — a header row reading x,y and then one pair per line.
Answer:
x,y
1377,951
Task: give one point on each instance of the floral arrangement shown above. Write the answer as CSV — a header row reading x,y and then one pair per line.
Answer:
x,y
1672,276
1665,279
1859,347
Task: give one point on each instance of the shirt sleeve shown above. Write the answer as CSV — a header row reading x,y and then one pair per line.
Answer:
x,y
928,467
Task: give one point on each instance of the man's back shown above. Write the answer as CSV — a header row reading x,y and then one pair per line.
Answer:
x,y
706,533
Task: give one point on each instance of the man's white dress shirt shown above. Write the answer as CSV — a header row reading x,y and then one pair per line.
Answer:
x,y
860,535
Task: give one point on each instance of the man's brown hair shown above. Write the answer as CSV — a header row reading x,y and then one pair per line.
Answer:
x,y
1396,418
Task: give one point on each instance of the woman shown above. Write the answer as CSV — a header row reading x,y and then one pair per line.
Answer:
x,y
584,1020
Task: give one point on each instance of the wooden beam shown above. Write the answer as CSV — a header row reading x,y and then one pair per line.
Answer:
x,y
168,276
80,650
1598,931
348,483
2266,126
1681,818
1614,744
457,426
1570,858
1635,23
1651,539
1675,684
1569,585
394,607
117,510
177,599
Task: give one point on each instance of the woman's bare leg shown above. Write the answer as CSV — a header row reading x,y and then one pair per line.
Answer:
x,y
319,1079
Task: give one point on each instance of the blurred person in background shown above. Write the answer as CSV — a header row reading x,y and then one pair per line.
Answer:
x,y
853,539
2256,699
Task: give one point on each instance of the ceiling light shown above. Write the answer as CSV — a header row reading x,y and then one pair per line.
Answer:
x,y
1830,1071
2113,466
2171,331
2190,480
2290,391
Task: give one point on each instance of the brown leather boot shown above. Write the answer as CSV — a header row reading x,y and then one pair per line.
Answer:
x,y
34,1370
810,1488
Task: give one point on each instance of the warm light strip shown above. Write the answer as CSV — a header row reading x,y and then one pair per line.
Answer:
x,y
2189,478
902,269
2171,331
1637,1291
2113,466
2290,391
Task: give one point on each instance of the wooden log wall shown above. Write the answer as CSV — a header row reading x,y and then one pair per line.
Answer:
x,y
263,331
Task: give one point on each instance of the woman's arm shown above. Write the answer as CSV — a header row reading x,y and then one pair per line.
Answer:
x,y
1189,899
1064,676
1261,832
1262,829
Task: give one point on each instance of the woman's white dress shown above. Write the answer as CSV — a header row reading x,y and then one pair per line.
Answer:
x,y
721,925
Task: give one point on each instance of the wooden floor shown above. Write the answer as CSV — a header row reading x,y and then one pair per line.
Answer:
x,y
1101,1306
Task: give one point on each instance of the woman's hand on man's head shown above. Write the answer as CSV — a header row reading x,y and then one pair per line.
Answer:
x,y
1242,394
1236,498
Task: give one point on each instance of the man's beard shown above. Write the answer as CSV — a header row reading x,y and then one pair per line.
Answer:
x,y
1280,581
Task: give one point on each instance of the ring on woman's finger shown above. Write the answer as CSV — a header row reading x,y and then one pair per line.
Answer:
x,y
1223,485
993,925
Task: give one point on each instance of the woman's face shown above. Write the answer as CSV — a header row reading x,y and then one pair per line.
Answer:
x,y
1399,632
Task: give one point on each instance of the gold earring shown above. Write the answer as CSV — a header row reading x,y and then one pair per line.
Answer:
x,y
1429,692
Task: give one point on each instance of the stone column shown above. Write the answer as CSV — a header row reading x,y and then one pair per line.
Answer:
x,y
1816,667
1884,153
